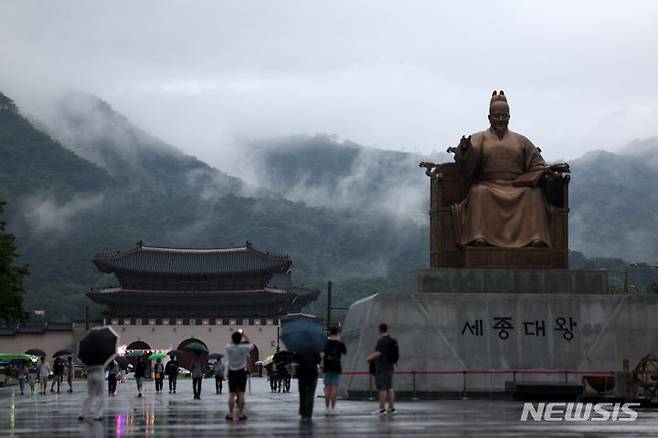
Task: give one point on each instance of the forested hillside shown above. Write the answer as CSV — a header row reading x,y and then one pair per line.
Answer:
x,y
345,213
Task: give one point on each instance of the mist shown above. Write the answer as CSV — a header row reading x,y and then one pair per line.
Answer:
x,y
44,213
210,77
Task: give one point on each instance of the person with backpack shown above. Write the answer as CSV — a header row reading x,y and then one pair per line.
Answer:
x,y
218,370
332,368
158,369
386,355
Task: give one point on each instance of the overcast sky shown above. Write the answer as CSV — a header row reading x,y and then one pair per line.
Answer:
x,y
407,75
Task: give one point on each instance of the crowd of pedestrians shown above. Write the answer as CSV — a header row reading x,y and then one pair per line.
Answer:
x,y
238,351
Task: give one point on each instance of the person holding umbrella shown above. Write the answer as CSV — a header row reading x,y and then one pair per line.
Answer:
x,y
158,369
197,368
197,376
171,369
96,350
238,354
306,340
307,379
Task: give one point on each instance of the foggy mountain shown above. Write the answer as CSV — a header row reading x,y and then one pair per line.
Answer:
x,y
614,205
613,202
345,213
94,131
84,209
322,171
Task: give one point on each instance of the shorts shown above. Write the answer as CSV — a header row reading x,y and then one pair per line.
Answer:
x,y
384,381
331,378
43,380
237,380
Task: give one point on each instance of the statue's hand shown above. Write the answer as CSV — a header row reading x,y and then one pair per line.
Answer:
x,y
465,142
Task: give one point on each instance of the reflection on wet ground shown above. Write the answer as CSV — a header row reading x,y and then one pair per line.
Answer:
x,y
174,415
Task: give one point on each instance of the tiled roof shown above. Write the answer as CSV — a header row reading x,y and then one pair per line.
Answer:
x,y
6,330
161,260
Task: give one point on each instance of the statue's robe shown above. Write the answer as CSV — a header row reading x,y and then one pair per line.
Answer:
x,y
495,210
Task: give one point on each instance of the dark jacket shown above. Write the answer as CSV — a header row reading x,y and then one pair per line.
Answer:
x,y
171,369
307,365
140,369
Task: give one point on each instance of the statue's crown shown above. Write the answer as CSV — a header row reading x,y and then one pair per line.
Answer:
x,y
498,97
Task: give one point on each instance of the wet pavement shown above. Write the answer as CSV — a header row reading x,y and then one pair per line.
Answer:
x,y
174,415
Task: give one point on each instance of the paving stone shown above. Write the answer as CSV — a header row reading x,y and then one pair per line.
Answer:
x,y
275,415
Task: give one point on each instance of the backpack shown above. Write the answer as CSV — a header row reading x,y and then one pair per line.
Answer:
x,y
393,351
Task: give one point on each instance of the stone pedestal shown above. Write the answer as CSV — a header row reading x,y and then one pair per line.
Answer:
x,y
512,281
499,320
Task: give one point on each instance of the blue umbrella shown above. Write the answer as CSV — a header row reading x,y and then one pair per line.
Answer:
x,y
303,337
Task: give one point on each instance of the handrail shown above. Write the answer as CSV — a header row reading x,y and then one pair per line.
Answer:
x,y
490,372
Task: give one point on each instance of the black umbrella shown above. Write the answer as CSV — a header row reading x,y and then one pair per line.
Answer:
x,y
35,352
303,337
63,352
195,347
98,347
123,362
175,353
215,356
282,357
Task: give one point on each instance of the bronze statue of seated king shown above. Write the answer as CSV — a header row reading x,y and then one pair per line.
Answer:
x,y
499,204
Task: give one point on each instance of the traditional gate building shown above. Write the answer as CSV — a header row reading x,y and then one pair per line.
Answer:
x,y
166,297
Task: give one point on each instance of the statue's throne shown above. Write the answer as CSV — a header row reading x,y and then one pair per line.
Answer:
x,y
449,187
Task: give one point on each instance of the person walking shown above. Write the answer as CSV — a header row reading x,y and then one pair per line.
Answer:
x,y
307,379
171,369
22,376
331,366
140,374
93,404
112,372
58,374
32,377
69,371
238,352
218,369
197,377
158,370
44,372
385,357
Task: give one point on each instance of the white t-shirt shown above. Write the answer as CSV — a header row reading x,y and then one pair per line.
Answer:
x,y
44,369
238,355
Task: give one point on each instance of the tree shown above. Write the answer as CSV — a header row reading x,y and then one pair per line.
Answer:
x,y
11,279
653,287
